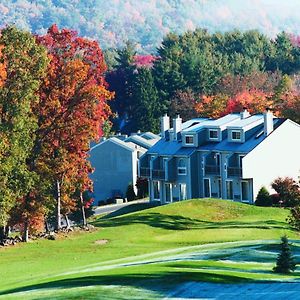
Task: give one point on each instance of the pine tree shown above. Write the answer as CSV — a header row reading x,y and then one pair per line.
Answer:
x,y
263,198
285,261
146,107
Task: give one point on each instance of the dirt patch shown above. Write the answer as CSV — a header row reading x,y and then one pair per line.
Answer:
x,y
101,242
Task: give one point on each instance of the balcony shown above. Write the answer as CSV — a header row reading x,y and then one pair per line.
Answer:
x,y
212,170
234,172
158,174
145,172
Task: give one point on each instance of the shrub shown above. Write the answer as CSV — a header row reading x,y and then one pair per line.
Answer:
x,y
142,187
263,198
288,190
130,194
285,262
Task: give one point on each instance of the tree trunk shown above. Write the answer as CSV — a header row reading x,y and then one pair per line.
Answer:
x,y
25,232
2,233
58,204
47,226
7,230
67,221
84,223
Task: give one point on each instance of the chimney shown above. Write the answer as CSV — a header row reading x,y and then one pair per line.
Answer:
x,y
164,125
245,113
268,122
177,126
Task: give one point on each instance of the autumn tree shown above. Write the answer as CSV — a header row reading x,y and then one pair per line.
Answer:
x,y
72,109
211,106
25,64
183,103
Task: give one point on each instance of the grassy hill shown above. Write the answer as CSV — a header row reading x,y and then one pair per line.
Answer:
x,y
150,250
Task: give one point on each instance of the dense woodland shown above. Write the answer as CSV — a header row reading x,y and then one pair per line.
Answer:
x,y
203,74
57,95
146,22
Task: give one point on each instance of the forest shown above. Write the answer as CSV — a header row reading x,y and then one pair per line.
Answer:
x,y
59,92
146,22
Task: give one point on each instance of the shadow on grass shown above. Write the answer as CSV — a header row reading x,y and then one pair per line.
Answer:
x,y
177,222
129,209
154,282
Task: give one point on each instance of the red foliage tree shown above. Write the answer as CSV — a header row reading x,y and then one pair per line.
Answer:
x,y
72,109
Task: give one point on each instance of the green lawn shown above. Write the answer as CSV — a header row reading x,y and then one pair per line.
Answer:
x,y
150,250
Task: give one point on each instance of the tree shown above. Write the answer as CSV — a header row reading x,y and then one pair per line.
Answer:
x,y
285,262
183,103
72,109
263,198
288,190
25,66
145,105
211,106
130,193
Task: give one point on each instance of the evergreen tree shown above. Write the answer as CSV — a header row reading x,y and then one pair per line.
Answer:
x,y
146,107
263,198
285,262
130,194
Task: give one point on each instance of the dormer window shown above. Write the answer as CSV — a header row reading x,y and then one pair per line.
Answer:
x,y
213,134
235,135
189,140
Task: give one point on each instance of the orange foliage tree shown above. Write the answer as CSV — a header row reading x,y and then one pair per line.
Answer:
x,y
72,109
211,106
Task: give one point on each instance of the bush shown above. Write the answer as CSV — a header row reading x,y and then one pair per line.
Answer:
x,y
263,198
142,187
288,190
285,262
130,194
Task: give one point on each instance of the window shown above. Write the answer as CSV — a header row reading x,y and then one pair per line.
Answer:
x,y
245,190
181,167
156,194
189,140
207,189
236,135
182,191
213,134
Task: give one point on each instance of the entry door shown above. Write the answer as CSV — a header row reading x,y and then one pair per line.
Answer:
x,y
168,192
245,190
229,189
207,191
219,188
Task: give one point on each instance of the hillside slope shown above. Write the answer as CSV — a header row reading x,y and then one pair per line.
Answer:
x,y
136,241
146,22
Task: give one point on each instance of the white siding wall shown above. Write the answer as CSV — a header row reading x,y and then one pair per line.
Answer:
x,y
277,156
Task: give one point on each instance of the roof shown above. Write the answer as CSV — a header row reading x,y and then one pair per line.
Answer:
x,y
248,122
149,135
214,123
256,138
127,145
139,140
164,147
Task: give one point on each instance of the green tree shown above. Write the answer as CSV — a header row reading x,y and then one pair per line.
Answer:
x,y
130,194
27,62
146,107
263,198
285,262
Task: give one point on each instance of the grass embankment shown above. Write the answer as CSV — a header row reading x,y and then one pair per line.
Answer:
x,y
78,260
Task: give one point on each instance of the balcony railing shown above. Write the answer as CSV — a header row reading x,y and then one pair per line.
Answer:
x,y
158,174
212,170
145,172
234,172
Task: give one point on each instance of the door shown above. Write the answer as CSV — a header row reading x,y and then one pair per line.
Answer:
x,y
245,191
168,188
207,191
229,189
182,191
219,188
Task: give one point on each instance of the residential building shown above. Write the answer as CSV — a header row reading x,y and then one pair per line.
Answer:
x,y
231,157
115,163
